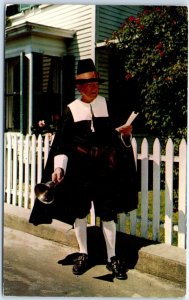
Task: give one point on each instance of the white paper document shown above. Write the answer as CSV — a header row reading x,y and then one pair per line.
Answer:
x,y
129,121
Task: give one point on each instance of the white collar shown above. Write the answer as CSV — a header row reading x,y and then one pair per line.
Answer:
x,y
82,111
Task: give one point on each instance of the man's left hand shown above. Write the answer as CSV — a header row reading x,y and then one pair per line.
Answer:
x,y
126,131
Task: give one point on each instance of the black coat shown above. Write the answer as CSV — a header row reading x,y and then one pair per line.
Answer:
x,y
107,178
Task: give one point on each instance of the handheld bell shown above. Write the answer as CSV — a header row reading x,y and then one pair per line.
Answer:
x,y
44,192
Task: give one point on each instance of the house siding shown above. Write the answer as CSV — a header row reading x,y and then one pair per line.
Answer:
x,y
102,64
92,23
74,17
110,18
82,18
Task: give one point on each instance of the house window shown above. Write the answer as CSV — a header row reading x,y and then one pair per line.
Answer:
x,y
13,9
26,6
12,94
16,93
47,98
40,79
37,87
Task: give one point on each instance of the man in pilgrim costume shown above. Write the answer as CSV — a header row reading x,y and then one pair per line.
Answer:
x,y
90,161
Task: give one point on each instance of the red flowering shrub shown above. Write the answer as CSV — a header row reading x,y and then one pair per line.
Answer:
x,y
131,19
153,48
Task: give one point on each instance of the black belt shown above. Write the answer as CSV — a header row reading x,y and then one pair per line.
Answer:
x,y
92,151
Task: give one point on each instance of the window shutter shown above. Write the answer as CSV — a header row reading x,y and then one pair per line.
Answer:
x,y
68,79
23,93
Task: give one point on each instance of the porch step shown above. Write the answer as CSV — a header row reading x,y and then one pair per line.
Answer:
x,y
168,262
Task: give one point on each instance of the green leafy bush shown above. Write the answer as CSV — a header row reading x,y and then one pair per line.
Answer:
x,y
153,49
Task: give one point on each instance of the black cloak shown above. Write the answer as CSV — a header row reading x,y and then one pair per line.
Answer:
x,y
112,187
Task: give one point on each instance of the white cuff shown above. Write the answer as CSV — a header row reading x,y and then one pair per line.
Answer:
x,y
60,161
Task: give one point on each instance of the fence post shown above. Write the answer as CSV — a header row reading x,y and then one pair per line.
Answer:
x,y
182,194
39,157
15,154
26,161
169,158
21,164
144,188
92,215
5,165
33,168
46,149
9,168
133,214
156,189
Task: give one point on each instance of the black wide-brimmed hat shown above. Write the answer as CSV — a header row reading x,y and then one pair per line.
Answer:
x,y
86,72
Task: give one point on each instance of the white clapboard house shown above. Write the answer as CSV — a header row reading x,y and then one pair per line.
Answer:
x,y
42,46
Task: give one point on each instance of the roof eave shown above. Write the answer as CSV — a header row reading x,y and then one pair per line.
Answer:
x,y
29,28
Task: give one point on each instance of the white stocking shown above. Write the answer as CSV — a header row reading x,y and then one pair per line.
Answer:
x,y
109,231
80,227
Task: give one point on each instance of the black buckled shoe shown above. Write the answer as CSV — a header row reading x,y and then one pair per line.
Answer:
x,y
116,268
81,264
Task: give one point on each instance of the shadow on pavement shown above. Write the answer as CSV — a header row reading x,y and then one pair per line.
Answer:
x,y
127,248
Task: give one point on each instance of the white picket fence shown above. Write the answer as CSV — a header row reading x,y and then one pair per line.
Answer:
x,y
25,158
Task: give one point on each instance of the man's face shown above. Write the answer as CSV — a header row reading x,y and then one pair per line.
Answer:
x,y
89,91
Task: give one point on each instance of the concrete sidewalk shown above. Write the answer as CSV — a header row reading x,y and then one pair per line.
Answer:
x,y
33,266
168,262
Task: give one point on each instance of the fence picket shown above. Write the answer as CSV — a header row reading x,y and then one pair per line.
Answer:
x,y
14,183
92,214
39,158
46,148
9,168
33,168
182,195
156,189
5,165
169,191
144,188
26,179
133,214
134,145
20,168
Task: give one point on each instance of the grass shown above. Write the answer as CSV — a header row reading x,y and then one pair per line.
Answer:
x,y
150,217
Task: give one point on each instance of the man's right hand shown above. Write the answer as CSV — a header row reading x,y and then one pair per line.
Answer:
x,y
58,175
